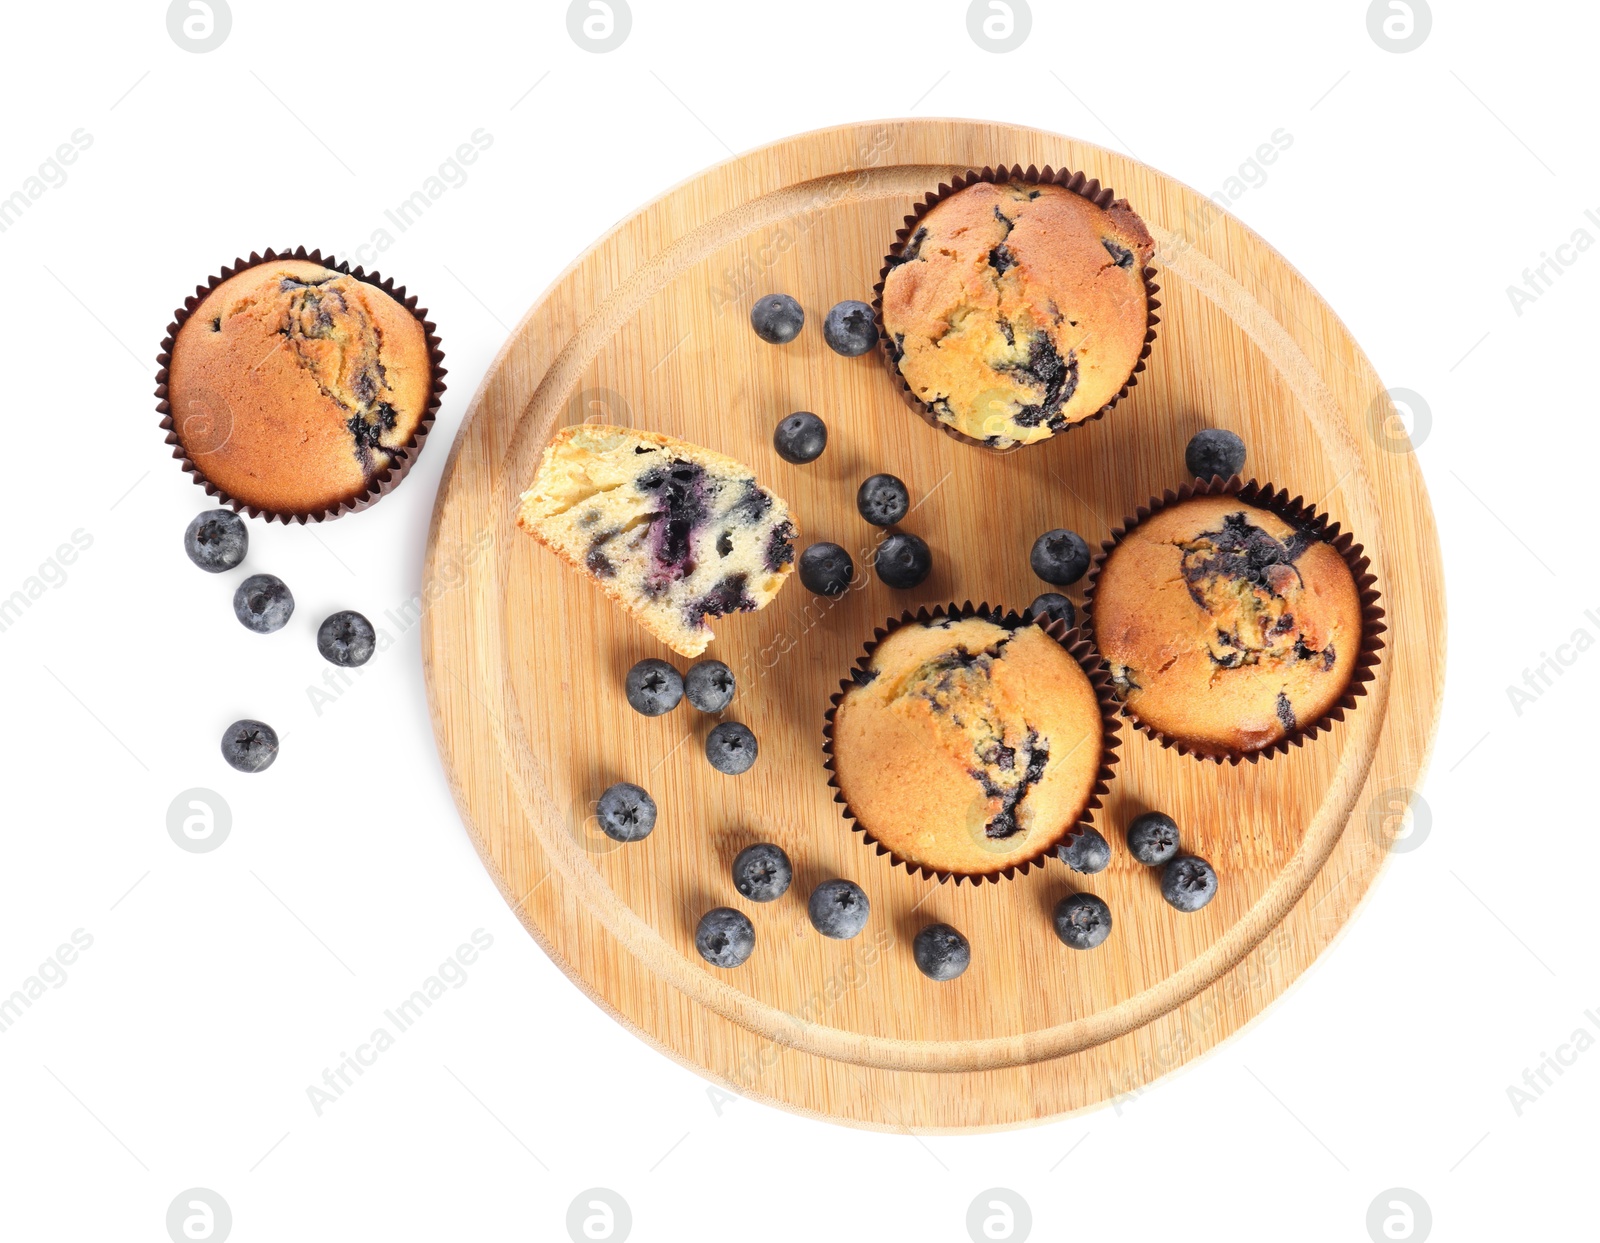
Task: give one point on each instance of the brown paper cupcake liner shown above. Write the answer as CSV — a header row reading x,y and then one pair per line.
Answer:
x,y
1313,522
1077,645
383,481
1102,197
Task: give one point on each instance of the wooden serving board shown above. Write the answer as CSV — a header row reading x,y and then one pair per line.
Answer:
x,y
525,659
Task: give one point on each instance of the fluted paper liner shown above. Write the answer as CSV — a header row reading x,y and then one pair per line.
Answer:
x,y
1314,523
1089,188
1077,645
384,480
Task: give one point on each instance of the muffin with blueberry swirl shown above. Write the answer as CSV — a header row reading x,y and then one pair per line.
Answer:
x,y
293,386
967,747
1016,310
1226,627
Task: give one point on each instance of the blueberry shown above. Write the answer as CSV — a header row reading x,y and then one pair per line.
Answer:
x,y
626,812
777,318
941,952
903,560
1214,451
1060,557
263,603
1052,604
346,639
250,746
1087,852
826,569
849,329
653,687
1083,921
762,872
883,500
216,540
709,685
1153,838
838,909
1188,883
731,748
725,937
800,437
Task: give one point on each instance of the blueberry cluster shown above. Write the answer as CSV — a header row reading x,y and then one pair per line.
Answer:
x,y
654,687
849,327
1188,882
725,937
901,560
217,541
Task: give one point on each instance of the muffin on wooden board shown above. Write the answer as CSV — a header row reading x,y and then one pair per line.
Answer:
x,y
1015,309
968,747
292,385
674,533
1226,627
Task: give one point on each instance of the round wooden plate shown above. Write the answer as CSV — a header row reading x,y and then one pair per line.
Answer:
x,y
525,659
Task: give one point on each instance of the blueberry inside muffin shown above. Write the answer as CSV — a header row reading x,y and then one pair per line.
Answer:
x,y
1016,310
1225,626
968,747
675,533
292,385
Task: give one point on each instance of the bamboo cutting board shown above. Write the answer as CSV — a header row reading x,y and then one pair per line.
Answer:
x,y
525,659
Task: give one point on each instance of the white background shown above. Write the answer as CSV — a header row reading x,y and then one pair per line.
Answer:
x,y
177,1052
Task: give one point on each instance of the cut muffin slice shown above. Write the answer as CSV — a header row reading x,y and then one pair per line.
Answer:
x,y
674,533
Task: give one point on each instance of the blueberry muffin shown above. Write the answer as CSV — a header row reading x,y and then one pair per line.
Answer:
x,y
674,533
967,747
1017,310
292,386
1225,627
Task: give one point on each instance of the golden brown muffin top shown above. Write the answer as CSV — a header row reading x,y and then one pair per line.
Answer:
x,y
966,747
1016,310
1225,626
292,385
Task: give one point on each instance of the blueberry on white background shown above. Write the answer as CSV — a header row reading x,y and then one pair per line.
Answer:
x,y
250,746
216,540
346,639
263,604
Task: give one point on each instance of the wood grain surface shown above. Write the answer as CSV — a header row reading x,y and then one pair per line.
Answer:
x,y
525,659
